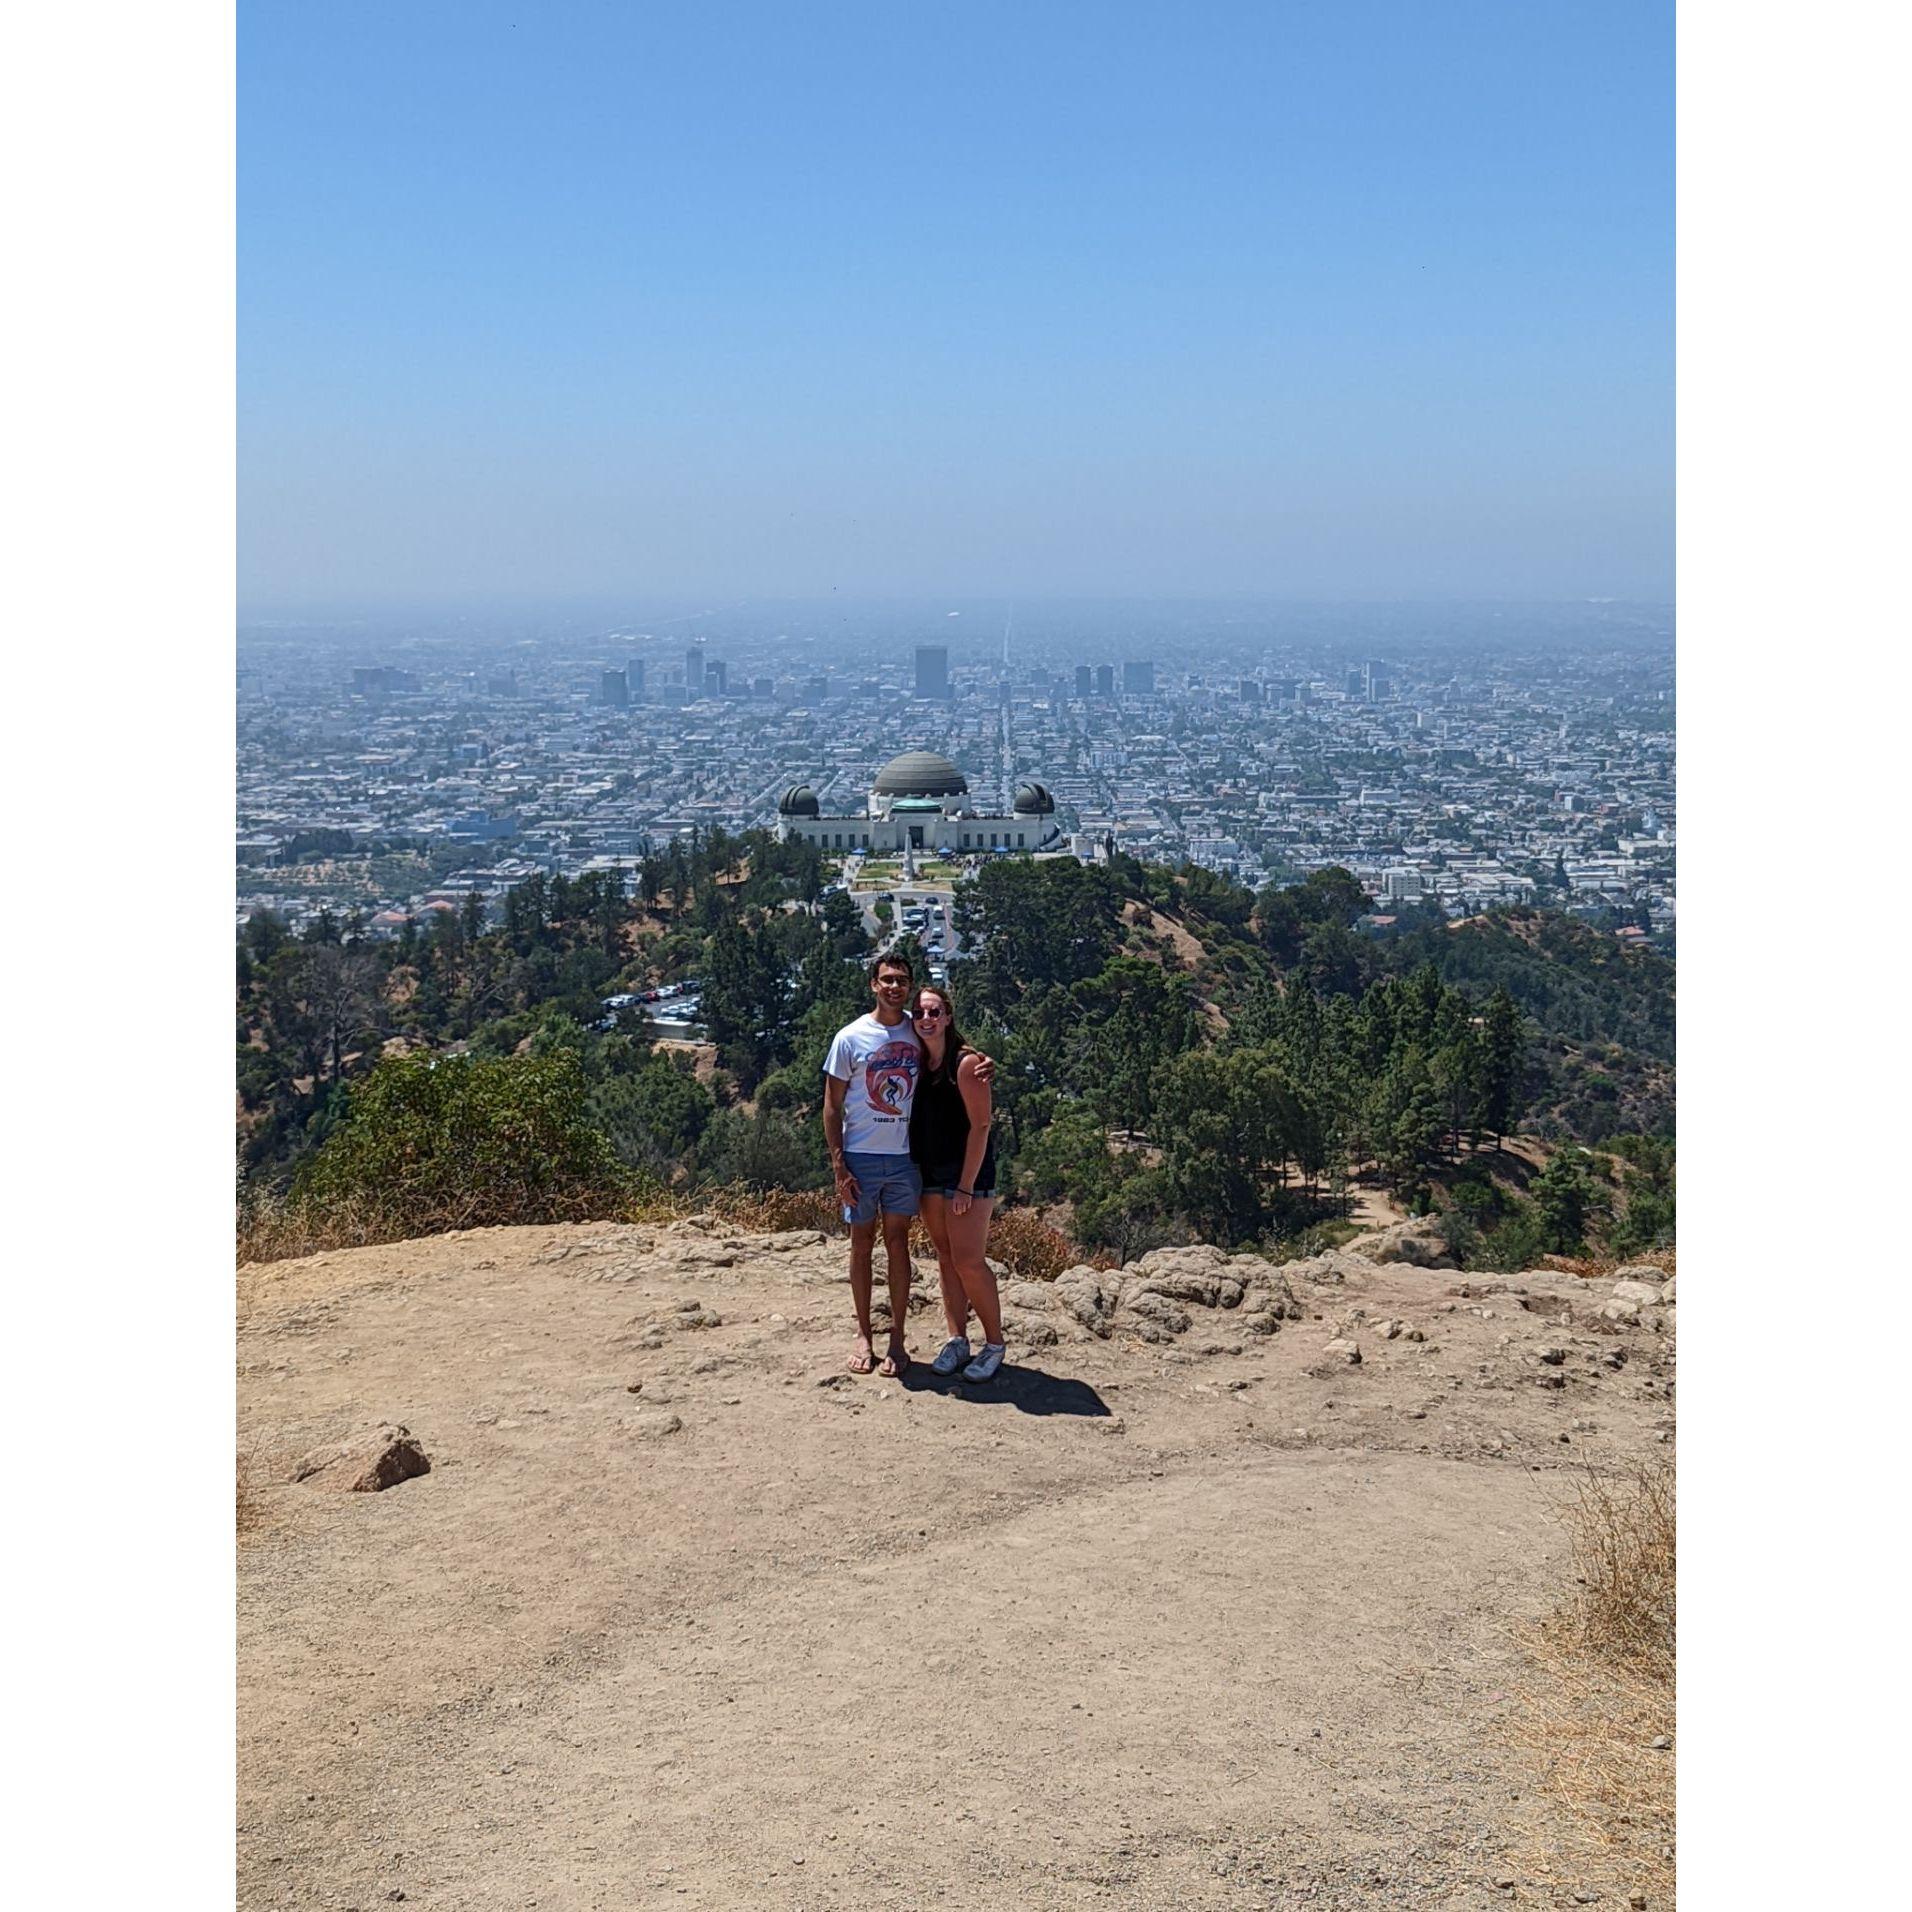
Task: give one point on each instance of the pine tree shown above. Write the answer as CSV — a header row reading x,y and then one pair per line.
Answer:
x,y
1503,1091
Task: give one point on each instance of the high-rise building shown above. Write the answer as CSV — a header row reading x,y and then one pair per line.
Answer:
x,y
1376,681
1084,680
614,689
1354,683
1250,691
932,670
716,677
634,676
694,669
1105,680
1138,679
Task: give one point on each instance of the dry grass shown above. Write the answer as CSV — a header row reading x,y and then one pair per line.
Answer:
x,y
1601,1691
1597,1267
271,1229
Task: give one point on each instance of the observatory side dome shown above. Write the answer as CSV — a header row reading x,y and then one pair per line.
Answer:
x,y
1034,800
919,773
798,801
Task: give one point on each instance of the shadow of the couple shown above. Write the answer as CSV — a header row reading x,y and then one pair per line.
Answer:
x,y
1028,1390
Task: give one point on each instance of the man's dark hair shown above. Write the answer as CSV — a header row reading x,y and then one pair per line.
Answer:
x,y
890,960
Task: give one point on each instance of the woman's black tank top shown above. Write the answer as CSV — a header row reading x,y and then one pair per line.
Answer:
x,y
939,1131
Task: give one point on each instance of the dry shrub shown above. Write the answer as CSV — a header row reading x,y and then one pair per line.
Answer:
x,y
772,1211
1029,1246
1601,1690
1623,1536
1597,1267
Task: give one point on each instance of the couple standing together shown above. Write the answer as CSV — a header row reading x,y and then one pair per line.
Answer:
x,y
906,1114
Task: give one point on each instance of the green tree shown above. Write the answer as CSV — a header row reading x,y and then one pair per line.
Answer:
x,y
1503,1067
656,1116
1565,1198
467,1141
1230,1124
1132,1017
746,1000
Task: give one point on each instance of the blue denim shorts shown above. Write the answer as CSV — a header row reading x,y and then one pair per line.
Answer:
x,y
885,1184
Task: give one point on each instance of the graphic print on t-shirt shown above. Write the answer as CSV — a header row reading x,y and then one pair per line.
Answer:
x,y
889,1077
877,1062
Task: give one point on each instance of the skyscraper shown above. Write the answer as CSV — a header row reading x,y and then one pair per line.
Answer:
x,y
634,676
1105,680
1250,691
614,689
1084,680
1138,679
932,670
716,677
694,669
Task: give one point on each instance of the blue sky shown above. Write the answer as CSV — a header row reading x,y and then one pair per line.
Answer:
x,y
579,300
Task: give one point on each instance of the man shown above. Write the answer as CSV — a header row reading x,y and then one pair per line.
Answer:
x,y
869,1085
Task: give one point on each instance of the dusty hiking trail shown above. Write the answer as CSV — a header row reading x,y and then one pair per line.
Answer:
x,y
1181,1612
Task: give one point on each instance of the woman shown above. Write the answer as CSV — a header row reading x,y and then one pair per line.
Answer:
x,y
950,1141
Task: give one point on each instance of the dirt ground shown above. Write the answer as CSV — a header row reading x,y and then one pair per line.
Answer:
x,y
1226,1622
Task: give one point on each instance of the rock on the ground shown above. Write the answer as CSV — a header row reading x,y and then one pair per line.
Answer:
x,y
1620,1310
367,1464
1644,1292
653,1427
1420,1241
1342,1349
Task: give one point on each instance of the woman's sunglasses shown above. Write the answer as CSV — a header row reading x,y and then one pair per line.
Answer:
x,y
934,1013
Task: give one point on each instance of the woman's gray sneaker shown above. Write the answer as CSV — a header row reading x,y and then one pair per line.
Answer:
x,y
984,1367
952,1356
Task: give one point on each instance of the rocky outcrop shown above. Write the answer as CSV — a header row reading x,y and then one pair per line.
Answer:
x,y
1420,1241
1158,1299
366,1464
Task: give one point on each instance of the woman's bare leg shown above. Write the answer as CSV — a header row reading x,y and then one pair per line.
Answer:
x,y
937,1218
968,1237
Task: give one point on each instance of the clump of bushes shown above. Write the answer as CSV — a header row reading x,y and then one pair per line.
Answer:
x,y
433,1143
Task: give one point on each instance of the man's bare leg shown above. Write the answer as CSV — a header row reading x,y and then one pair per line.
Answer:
x,y
862,1245
896,1250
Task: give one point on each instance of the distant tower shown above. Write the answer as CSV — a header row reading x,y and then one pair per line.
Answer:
x,y
634,678
1105,680
1251,692
716,677
932,670
1085,681
1138,680
614,690
694,669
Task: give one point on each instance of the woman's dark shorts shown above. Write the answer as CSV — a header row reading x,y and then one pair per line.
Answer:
x,y
945,1178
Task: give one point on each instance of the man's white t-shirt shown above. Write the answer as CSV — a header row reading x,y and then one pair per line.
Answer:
x,y
879,1061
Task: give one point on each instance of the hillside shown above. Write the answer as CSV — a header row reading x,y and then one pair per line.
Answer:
x,y
1187,1610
